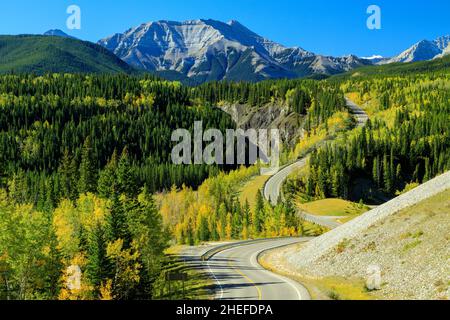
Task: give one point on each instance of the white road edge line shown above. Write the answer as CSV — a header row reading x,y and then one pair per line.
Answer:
x,y
255,264
217,280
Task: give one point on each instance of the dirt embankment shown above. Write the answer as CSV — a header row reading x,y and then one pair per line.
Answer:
x,y
270,116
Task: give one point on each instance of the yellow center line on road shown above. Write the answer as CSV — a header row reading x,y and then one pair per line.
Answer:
x,y
246,277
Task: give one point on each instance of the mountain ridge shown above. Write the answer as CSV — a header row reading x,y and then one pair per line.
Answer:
x,y
57,33
205,50
198,51
41,54
423,50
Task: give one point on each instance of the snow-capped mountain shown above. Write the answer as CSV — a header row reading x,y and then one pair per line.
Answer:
x,y
204,50
57,33
444,53
423,51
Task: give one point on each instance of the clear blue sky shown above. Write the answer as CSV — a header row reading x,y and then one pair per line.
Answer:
x,y
329,27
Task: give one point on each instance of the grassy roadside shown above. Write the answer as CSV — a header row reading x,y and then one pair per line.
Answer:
x,y
250,189
199,286
343,210
334,207
328,288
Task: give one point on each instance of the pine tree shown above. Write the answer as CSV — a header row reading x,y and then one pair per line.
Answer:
x,y
117,226
67,175
246,220
50,196
212,224
376,171
387,176
125,176
258,214
203,229
107,182
335,183
53,267
427,175
237,222
98,265
87,178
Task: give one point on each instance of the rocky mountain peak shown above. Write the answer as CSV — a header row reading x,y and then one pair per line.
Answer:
x,y
204,50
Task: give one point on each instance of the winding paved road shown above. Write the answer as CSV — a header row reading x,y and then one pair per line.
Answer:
x,y
236,270
239,276
272,189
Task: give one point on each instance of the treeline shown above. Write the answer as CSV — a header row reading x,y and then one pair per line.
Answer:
x,y
408,140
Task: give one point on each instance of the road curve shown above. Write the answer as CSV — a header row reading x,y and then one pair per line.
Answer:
x,y
239,276
272,188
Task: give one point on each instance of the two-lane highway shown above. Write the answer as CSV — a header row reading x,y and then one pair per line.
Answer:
x,y
239,276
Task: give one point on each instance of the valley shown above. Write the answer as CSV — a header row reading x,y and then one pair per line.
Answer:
x,y
89,181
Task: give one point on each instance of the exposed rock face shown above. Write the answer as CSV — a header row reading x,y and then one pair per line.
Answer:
x,y
270,116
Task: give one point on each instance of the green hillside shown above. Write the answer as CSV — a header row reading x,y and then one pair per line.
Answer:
x,y
44,54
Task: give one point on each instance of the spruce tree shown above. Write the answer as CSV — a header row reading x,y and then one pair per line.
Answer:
x,y
125,175
259,213
117,222
108,181
67,175
98,266
88,176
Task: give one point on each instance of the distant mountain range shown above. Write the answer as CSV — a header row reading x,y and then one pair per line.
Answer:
x,y
204,50
193,52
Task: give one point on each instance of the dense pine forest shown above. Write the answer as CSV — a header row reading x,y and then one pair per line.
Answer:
x,y
87,184
81,157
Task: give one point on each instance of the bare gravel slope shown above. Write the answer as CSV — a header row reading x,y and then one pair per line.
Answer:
x,y
327,242
412,248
